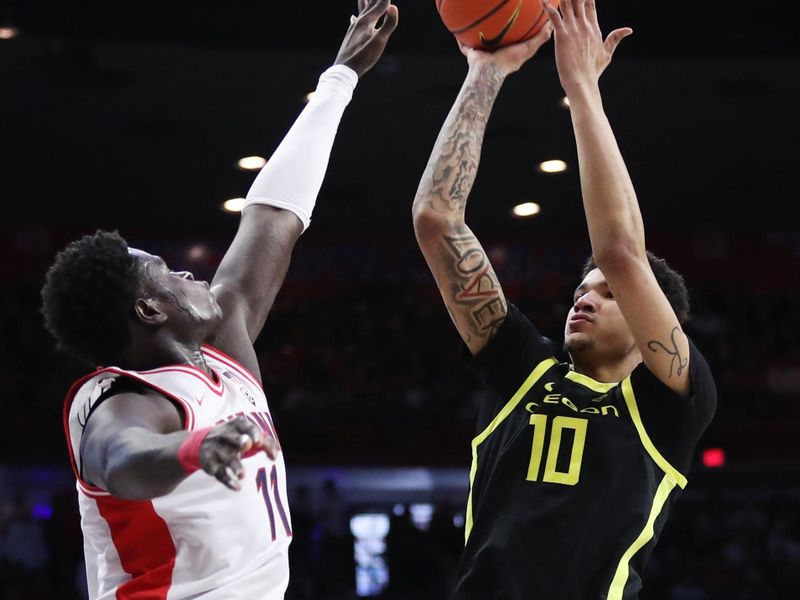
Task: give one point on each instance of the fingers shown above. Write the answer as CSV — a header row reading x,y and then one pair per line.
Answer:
x,y
374,10
252,440
541,38
615,37
553,15
590,12
229,477
568,11
390,22
223,450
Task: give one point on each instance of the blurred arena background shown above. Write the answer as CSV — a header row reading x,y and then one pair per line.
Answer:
x,y
133,115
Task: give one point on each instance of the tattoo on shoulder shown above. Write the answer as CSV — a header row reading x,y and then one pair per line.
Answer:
x,y
475,286
674,352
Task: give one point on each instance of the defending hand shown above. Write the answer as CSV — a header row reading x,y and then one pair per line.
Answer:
x,y
226,444
364,42
581,53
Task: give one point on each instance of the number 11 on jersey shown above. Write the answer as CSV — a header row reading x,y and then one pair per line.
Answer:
x,y
264,487
551,473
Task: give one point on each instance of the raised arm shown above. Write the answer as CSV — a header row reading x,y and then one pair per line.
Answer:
x,y
460,266
612,211
280,202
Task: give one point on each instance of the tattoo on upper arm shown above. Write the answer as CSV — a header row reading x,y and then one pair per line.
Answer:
x,y
475,287
674,352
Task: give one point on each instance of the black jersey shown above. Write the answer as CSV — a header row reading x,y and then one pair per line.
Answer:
x,y
571,479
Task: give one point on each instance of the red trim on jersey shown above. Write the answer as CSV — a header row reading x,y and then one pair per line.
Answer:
x,y
73,390
233,364
90,489
144,545
189,424
214,386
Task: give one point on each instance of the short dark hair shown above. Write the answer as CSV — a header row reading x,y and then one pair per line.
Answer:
x,y
669,280
88,295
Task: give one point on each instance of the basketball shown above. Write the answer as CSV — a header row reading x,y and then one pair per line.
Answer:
x,y
492,24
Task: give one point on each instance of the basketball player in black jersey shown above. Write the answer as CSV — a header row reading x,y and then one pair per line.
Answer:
x,y
575,465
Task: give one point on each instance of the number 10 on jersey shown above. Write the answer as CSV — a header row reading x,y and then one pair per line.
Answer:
x,y
551,473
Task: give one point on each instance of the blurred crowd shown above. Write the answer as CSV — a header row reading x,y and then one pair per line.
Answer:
x,y
726,544
362,366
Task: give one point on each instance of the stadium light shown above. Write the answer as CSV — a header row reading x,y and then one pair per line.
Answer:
x,y
251,163
526,209
552,166
234,205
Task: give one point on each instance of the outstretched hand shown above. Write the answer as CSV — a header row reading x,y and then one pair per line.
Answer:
x,y
365,41
581,53
226,444
510,58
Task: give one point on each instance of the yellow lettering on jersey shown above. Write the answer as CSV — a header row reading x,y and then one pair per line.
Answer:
x,y
571,476
549,386
539,423
568,403
552,399
531,406
591,410
551,474
609,408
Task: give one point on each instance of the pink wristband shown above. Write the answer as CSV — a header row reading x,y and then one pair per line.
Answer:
x,y
189,450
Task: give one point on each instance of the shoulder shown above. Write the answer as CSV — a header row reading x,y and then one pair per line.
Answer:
x,y
517,343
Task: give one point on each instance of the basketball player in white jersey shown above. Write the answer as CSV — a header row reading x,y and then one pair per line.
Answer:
x,y
181,478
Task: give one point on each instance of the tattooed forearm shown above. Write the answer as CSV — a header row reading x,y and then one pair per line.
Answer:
x,y
451,170
478,306
674,352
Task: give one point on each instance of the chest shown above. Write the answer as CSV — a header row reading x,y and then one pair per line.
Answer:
x,y
559,428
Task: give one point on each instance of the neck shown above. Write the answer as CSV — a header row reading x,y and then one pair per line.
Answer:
x,y
606,371
157,353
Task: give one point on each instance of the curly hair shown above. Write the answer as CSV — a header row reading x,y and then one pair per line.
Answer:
x,y
88,295
669,280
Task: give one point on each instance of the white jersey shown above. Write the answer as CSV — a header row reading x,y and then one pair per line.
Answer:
x,y
202,540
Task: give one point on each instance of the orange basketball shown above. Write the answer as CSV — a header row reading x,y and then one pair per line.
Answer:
x,y
492,24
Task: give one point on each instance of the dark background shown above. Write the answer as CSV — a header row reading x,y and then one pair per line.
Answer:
x,y
131,116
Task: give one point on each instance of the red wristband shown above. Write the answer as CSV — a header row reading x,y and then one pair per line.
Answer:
x,y
189,450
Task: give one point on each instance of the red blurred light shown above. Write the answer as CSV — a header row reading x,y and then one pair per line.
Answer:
x,y
714,457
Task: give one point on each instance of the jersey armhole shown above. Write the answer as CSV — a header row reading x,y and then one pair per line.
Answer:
x,y
129,382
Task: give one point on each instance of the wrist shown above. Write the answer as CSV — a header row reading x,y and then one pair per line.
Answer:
x,y
339,79
189,450
486,66
580,91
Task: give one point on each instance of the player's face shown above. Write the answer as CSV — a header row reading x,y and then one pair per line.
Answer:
x,y
185,300
595,323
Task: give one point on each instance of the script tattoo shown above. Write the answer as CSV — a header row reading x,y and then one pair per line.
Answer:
x,y
475,286
451,171
675,353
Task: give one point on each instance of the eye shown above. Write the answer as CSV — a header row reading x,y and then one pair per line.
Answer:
x,y
609,295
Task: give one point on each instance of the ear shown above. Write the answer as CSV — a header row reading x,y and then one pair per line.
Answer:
x,y
148,311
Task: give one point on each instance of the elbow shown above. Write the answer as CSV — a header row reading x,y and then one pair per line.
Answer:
x,y
619,255
429,222
125,479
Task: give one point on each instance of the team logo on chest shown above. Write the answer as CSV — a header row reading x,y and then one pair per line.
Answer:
x,y
240,384
553,398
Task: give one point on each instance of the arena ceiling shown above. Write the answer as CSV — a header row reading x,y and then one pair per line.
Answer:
x,y
133,113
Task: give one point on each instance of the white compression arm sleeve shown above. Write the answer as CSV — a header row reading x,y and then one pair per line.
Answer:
x,y
293,176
